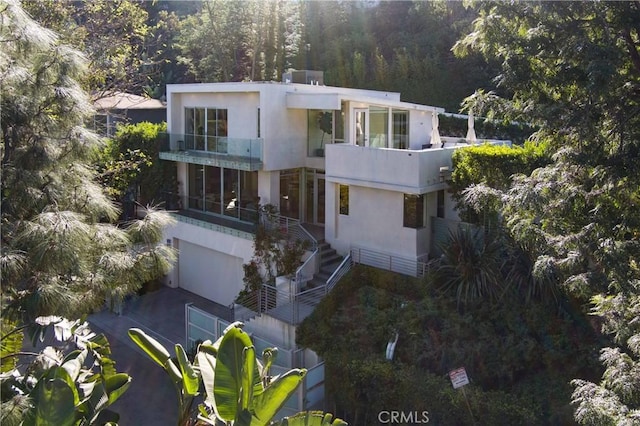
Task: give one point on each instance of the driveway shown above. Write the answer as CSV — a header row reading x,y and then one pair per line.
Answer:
x,y
151,398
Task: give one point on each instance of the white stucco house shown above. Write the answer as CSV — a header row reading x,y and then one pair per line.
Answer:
x,y
358,173
356,169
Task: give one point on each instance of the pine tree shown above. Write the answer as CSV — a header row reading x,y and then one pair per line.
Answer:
x,y
573,68
62,254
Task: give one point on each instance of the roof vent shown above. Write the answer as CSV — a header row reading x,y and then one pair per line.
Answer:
x,y
315,78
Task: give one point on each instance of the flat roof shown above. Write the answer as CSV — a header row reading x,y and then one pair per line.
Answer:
x,y
306,96
121,100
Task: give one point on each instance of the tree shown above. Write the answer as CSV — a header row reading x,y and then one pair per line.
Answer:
x,y
238,388
68,385
128,164
61,252
240,40
114,34
574,70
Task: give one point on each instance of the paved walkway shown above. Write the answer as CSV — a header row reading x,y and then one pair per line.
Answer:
x,y
151,398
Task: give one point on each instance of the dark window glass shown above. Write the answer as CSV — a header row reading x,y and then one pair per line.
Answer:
x,y
344,199
413,211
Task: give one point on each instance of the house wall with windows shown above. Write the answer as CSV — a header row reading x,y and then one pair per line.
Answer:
x,y
302,148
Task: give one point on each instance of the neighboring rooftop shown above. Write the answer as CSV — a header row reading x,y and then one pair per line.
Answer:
x,y
122,101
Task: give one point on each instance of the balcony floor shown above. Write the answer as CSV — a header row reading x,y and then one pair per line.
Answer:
x,y
219,220
213,159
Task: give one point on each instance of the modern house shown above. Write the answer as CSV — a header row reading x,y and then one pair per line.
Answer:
x,y
355,168
358,173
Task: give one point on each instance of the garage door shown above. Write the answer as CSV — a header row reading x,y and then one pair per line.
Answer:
x,y
209,273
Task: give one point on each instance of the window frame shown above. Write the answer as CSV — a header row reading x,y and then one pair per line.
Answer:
x,y
415,204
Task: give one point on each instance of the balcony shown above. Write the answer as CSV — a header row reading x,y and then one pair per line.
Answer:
x,y
231,153
410,171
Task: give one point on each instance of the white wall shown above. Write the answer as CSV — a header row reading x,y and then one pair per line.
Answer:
x,y
284,131
209,273
242,111
419,128
205,257
375,221
277,332
413,172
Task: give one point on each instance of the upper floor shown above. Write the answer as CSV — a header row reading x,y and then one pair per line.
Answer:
x,y
269,126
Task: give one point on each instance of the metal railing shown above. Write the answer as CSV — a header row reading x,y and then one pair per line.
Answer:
x,y
401,265
290,228
341,271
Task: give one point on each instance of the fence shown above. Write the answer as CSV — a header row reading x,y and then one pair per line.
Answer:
x,y
401,265
201,325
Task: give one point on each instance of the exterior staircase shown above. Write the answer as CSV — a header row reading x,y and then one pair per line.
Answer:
x,y
329,261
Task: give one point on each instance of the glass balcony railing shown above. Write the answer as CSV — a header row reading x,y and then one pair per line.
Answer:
x,y
213,150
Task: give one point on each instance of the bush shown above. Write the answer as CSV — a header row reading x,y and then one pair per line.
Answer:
x,y
494,166
512,350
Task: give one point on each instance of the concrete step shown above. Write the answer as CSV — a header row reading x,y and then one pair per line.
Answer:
x,y
327,252
328,260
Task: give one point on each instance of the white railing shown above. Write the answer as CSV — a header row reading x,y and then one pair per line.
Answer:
x,y
343,268
307,270
389,262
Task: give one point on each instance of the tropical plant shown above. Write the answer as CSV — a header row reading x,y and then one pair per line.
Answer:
x,y
471,266
184,377
310,418
238,388
57,386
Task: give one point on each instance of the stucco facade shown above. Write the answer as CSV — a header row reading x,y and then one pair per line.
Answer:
x,y
358,165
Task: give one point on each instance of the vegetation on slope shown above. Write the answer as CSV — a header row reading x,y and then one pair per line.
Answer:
x,y
520,355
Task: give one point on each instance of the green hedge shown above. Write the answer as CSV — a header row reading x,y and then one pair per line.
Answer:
x,y
519,356
494,166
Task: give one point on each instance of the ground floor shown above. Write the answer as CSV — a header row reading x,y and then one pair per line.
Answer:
x,y
220,210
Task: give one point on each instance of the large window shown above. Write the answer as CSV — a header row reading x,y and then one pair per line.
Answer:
x,y
413,211
205,129
222,191
344,199
378,127
400,129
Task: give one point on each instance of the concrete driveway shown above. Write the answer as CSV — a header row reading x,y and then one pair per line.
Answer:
x,y
151,398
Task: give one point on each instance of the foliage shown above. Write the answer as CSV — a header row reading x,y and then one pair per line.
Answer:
x,y
130,161
61,253
518,133
471,265
399,46
512,350
238,40
238,388
574,70
113,34
60,386
311,418
276,253
494,166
